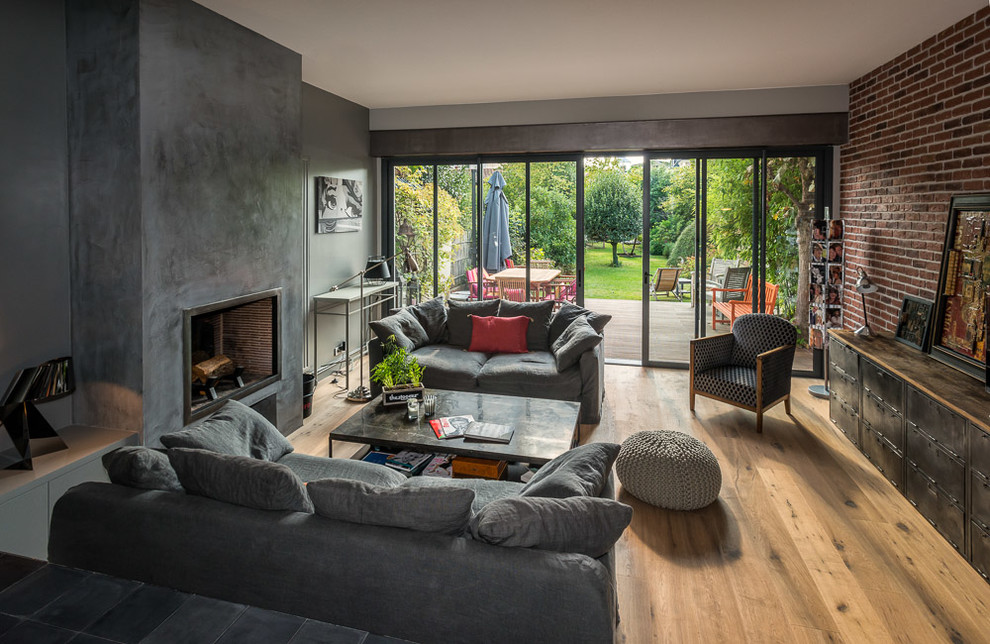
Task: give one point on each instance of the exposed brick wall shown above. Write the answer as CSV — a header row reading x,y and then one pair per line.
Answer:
x,y
919,132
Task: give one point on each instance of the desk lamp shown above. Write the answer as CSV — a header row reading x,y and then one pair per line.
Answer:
x,y
863,286
24,433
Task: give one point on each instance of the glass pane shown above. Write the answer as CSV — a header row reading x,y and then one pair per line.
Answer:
x,y
496,254
553,230
413,186
671,245
457,203
613,263
728,242
790,211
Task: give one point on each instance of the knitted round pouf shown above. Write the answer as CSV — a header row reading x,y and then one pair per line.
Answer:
x,y
669,469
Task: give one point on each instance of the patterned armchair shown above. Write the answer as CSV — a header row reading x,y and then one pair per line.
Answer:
x,y
748,368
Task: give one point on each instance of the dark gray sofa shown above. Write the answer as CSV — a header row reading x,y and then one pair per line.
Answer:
x,y
424,587
533,374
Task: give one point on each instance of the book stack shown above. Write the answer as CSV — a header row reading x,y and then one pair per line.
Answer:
x,y
408,462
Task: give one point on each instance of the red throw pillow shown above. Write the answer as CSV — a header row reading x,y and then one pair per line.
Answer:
x,y
499,335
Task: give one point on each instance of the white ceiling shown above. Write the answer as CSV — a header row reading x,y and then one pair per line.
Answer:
x,y
401,53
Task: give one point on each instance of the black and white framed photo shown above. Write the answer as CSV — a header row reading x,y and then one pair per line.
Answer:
x,y
339,205
914,322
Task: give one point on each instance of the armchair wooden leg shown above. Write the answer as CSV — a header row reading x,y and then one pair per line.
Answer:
x,y
759,422
787,405
692,400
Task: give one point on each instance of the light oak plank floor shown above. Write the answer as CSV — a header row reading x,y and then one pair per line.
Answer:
x,y
806,543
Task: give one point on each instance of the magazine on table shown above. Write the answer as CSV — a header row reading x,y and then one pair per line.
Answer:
x,y
408,460
488,432
439,467
451,426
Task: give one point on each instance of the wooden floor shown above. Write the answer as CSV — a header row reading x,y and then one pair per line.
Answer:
x,y
806,543
671,327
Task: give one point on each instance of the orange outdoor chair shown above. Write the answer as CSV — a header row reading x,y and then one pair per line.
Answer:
x,y
732,309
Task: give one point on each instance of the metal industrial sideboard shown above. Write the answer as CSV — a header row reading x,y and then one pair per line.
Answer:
x,y
925,426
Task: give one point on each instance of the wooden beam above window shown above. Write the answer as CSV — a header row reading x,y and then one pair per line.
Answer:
x,y
782,130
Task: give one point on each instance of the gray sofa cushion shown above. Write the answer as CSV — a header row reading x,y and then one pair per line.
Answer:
x,y
437,509
485,491
409,333
568,313
233,429
432,316
313,468
448,367
459,324
581,471
240,480
539,314
141,467
532,374
588,525
573,342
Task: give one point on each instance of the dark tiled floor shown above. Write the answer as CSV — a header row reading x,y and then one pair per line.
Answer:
x,y
43,603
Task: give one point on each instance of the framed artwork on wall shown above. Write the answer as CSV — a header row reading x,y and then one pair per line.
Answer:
x,y
339,205
914,322
960,334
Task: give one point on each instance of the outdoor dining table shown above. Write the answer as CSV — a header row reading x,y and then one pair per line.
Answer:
x,y
537,276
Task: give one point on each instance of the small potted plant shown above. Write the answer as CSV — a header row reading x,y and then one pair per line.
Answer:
x,y
399,374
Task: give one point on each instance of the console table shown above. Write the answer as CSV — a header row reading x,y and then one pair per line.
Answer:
x,y
28,496
925,426
331,302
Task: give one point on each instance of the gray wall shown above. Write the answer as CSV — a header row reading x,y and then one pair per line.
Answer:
x,y
335,143
185,143
34,220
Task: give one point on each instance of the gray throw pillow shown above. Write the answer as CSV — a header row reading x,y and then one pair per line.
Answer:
x,y
539,314
568,313
581,471
573,342
583,524
233,429
240,480
427,509
409,333
141,467
432,316
459,325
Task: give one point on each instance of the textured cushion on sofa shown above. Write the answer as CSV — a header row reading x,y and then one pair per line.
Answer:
x,y
409,333
485,490
448,367
437,509
240,480
313,468
568,313
459,324
233,429
581,471
573,342
432,316
532,374
539,313
141,467
588,525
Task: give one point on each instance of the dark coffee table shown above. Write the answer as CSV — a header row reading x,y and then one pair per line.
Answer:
x,y
544,429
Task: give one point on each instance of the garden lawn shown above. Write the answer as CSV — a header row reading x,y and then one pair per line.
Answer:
x,y
606,282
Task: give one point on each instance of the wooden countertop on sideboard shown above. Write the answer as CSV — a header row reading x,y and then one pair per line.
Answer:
x,y
951,387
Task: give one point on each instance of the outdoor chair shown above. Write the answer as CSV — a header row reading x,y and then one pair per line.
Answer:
x,y
665,281
512,288
749,368
732,309
718,268
734,283
489,289
562,289
541,263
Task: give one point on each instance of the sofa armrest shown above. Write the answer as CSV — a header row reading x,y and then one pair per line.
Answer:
x,y
592,366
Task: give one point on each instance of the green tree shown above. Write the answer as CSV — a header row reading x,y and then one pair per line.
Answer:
x,y
612,209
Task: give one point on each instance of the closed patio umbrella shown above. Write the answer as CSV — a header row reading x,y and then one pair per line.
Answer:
x,y
495,245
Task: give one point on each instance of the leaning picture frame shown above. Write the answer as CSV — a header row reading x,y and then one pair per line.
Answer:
x,y
914,322
959,327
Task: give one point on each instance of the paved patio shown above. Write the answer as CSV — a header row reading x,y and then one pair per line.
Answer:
x,y
671,329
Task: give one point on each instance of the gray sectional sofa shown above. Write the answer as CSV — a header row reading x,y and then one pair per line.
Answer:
x,y
229,512
440,338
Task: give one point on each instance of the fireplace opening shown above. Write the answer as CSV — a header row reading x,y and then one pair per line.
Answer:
x,y
231,350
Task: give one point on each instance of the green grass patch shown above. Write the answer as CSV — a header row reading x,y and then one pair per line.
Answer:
x,y
603,281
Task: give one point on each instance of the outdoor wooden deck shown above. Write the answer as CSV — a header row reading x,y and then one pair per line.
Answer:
x,y
671,329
